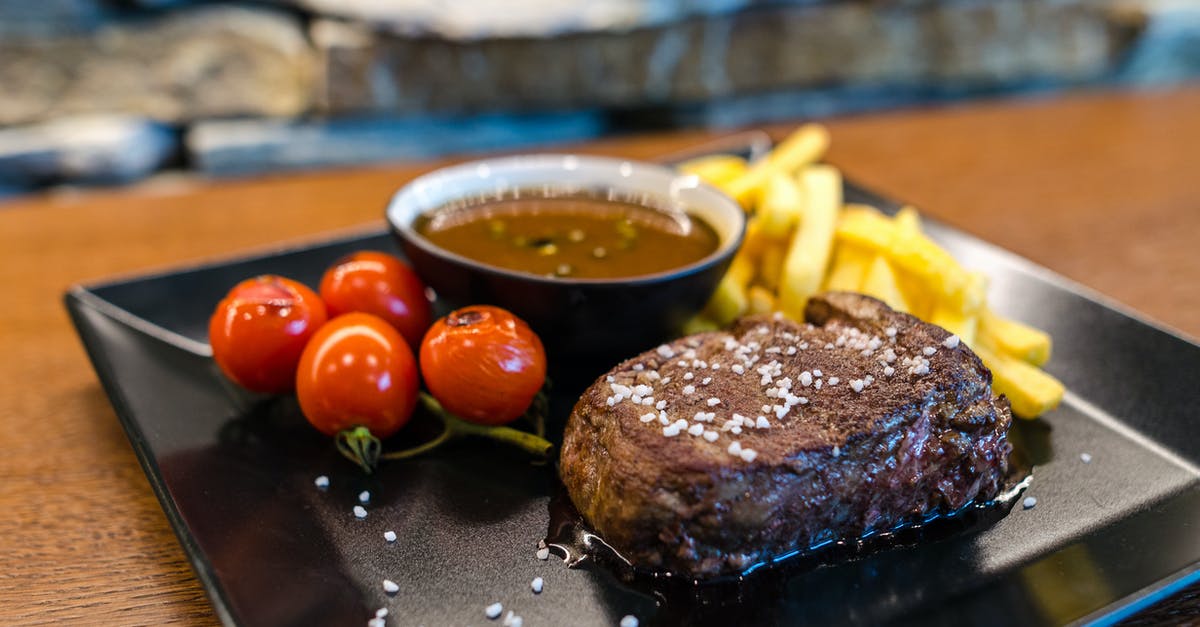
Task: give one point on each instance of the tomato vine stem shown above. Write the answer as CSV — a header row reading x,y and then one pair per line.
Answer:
x,y
360,447
365,450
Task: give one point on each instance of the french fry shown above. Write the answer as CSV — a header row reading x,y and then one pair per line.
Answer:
x,y
802,238
880,281
1031,391
964,325
755,240
780,205
762,300
729,300
1015,338
770,265
804,146
910,251
812,242
848,268
907,219
716,170
699,323
867,228
915,253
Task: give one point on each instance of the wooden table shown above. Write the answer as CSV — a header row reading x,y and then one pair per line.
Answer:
x,y
1102,188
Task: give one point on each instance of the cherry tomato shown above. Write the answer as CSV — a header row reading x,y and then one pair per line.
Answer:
x,y
483,364
357,371
259,330
379,283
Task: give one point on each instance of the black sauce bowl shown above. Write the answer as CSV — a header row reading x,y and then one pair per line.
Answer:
x,y
587,325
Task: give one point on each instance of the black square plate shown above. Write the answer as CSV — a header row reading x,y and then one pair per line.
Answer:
x,y
235,477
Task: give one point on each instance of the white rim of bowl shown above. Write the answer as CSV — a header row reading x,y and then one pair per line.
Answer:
x,y
552,162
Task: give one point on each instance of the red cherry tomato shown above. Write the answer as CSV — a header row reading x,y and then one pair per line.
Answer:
x,y
378,283
259,330
483,364
357,371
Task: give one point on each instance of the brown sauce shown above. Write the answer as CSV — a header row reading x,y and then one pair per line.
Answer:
x,y
578,235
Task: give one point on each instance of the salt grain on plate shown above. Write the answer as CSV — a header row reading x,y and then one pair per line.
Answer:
x,y
629,621
536,585
1085,458
1029,502
364,497
390,586
321,482
390,536
360,511
381,612
493,611
376,622
543,553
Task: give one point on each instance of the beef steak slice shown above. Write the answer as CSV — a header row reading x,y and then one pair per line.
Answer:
x,y
724,449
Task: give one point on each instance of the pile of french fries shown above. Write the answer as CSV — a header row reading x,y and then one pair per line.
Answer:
x,y
801,239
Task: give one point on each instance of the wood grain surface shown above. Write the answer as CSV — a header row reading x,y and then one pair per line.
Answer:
x,y
1102,188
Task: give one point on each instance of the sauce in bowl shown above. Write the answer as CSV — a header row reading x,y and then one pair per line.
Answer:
x,y
570,235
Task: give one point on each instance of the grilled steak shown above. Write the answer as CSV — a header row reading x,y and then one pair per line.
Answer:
x,y
725,449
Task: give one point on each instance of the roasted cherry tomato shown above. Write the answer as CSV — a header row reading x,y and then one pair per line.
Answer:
x,y
259,330
357,371
379,283
483,364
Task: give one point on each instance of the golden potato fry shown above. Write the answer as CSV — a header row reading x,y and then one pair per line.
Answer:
x,y
915,253
762,300
716,170
804,146
921,299
910,251
849,266
1015,338
907,219
867,228
1031,391
779,205
729,300
964,325
880,281
755,240
770,265
699,324
812,242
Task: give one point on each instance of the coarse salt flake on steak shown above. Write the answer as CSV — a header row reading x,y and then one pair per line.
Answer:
x,y
725,449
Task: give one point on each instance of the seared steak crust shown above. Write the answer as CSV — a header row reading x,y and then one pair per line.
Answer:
x,y
875,418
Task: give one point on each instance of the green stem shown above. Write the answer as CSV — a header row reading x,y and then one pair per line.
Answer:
x,y
455,427
446,435
360,447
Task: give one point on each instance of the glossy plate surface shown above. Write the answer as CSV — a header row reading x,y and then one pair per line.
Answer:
x,y
235,477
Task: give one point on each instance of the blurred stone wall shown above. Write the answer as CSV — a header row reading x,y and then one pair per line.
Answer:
x,y
109,91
